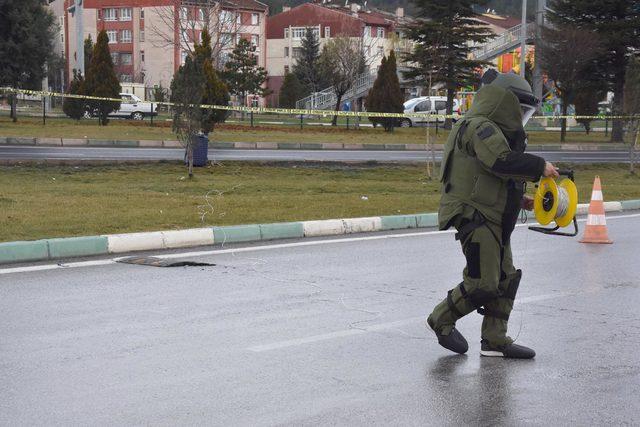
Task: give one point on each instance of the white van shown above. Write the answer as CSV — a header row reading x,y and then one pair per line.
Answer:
x,y
427,105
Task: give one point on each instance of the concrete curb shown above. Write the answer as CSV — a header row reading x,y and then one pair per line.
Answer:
x,y
69,142
51,249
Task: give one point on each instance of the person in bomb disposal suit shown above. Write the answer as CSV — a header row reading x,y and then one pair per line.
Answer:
x,y
483,174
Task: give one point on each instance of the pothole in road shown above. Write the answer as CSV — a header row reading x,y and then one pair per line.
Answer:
x,y
159,262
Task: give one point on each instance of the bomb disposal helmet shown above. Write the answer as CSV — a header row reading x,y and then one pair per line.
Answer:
x,y
519,87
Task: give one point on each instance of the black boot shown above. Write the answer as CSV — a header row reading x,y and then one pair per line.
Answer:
x,y
509,351
454,341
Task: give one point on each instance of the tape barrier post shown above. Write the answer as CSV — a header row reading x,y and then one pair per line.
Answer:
x,y
301,121
152,114
251,114
44,110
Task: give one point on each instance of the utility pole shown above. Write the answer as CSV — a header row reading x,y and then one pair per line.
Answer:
x,y
537,70
77,10
523,37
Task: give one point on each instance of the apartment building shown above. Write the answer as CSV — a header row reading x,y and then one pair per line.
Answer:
x,y
378,31
149,39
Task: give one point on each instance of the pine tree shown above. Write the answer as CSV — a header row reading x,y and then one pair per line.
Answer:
x,y
26,34
242,73
215,91
101,79
74,107
617,24
291,91
306,68
443,32
88,52
386,96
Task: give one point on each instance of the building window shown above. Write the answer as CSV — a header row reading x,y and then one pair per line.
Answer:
x,y
141,13
239,18
184,13
286,33
380,51
327,32
286,51
255,19
238,37
226,39
126,58
201,15
114,58
113,36
109,14
286,69
300,32
297,52
183,56
125,14
125,36
367,31
226,17
255,40
141,35
142,55
126,78
380,32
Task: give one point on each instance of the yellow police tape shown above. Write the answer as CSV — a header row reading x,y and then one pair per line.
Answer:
x,y
296,111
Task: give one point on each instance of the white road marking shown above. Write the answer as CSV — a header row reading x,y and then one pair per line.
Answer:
x,y
378,327
256,248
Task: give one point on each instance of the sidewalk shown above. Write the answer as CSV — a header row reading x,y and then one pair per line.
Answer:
x,y
88,142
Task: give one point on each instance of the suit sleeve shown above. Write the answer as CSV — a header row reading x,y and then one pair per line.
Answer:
x,y
492,149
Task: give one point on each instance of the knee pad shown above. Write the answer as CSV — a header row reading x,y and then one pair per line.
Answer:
x,y
477,297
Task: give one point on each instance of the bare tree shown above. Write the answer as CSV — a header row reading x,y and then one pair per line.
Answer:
x,y
632,108
221,18
341,62
568,56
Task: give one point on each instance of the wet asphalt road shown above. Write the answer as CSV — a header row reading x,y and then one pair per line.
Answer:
x,y
327,332
155,154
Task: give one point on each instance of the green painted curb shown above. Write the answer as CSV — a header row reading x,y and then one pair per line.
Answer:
x,y
236,233
283,230
378,147
77,246
99,142
126,143
3,140
395,147
222,145
397,222
288,146
21,141
427,220
24,251
628,205
311,146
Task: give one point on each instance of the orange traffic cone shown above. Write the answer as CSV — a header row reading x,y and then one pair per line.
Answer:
x,y
596,229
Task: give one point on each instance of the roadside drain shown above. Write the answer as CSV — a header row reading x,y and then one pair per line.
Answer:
x,y
159,262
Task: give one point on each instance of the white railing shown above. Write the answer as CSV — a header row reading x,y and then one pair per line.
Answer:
x,y
503,43
326,99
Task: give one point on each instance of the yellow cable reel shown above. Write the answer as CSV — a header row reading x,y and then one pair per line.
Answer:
x,y
556,203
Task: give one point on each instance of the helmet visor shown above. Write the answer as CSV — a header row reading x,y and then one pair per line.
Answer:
x,y
527,112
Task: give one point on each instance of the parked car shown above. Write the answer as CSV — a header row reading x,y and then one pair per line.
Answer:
x,y
131,107
427,105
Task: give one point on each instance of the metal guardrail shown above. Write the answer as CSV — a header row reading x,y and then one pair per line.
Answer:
x,y
326,98
505,42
